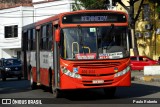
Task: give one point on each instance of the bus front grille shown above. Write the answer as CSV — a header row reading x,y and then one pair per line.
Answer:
x,y
97,65
95,75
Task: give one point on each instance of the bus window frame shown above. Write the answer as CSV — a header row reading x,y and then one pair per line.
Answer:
x,y
47,45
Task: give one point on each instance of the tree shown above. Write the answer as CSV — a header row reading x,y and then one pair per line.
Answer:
x,y
158,6
89,4
101,4
132,21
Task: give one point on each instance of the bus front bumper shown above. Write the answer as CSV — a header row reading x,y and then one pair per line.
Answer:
x,y
67,82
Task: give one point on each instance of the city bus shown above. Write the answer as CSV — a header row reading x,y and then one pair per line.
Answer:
x,y
83,49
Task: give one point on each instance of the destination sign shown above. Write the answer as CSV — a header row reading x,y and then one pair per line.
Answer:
x,y
94,18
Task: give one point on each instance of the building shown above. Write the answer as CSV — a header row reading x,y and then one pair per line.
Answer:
x,y
148,30
147,27
13,19
14,3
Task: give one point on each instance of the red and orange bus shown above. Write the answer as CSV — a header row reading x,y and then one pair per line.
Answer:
x,y
78,50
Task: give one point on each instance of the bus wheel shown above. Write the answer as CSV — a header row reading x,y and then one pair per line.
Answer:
x,y
56,93
3,76
33,84
19,77
4,79
110,92
50,80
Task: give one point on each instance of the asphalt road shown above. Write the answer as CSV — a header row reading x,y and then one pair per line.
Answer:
x,y
12,88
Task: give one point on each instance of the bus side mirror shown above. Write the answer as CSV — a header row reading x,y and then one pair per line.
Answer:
x,y
57,35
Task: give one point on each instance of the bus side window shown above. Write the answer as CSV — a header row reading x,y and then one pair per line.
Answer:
x,y
0,63
25,41
49,36
140,59
44,38
32,40
29,40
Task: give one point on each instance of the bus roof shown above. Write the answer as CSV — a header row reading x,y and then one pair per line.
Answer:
x,y
58,16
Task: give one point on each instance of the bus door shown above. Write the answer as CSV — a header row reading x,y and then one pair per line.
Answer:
x,y
56,59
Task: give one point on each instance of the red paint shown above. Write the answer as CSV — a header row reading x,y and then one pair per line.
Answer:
x,y
138,62
95,73
44,76
89,70
34,74
72,83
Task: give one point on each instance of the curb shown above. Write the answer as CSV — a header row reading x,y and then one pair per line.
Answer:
x,y
146,78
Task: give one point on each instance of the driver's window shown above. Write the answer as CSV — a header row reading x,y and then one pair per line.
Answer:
x,y
144,59
140,59
0,63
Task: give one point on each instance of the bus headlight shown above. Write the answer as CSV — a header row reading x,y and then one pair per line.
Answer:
x,y
69,73
7,69
122,72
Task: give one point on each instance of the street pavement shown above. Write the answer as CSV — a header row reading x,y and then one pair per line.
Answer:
x,y
139,76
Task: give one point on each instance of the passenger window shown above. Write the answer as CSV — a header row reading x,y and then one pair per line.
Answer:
x,y
49,35
145,59
43,38
0,63
140,59
46,37
31,40
134,58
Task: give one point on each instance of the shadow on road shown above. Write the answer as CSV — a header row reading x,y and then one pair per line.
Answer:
x,y
14,86
135,91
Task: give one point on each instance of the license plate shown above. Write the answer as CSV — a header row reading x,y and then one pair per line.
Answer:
x,y
97,81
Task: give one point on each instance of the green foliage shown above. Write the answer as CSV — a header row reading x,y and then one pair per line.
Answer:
x,y
89,4
158,8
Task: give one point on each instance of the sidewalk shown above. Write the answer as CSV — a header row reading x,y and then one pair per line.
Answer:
x,y
139,76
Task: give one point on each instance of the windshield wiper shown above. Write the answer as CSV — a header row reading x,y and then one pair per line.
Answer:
x,y
97,42
81,37
109,35
111,30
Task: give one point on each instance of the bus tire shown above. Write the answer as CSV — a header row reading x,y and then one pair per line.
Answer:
x,y
3,75
50,78
56,93
32,83
19,77
3,78
110,92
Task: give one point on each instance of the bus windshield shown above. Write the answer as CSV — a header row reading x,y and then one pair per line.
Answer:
x,y
84,43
